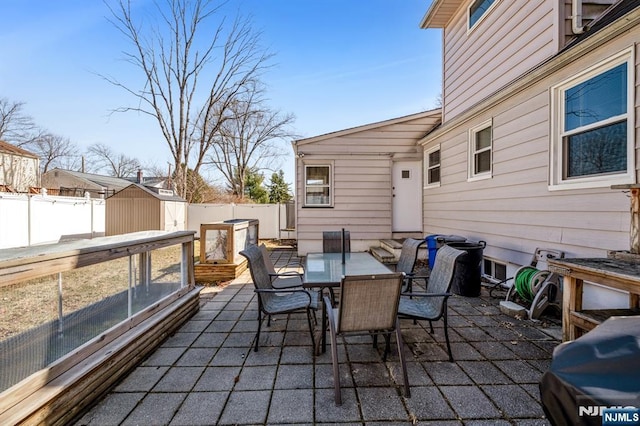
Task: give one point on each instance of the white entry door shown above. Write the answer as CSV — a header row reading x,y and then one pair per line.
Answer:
x,y
407,196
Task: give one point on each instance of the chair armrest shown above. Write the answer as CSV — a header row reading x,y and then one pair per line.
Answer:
x,y
286,274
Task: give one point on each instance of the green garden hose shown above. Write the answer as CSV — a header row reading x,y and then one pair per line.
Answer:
x,y
523,282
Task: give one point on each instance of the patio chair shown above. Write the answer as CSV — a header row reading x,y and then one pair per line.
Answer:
x,y
432,304
368,305
272,301
287,279
332,242
407,261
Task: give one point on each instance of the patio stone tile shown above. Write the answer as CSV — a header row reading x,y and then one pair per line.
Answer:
x,y
473,334
494,350
533,390
179,379
533,333
142,379
217,379
482,320
195,357
502,333
328,412
267,355
427,403
367,353
228,315
209,340
438,423
256,378
469,402
220,326
548,345
324,376
541,364
271,338
163,356
519,371
239,340
513,401
291,406
371,374
492,422
155,409
200,408
381,404
180,340
297,338
461,308
532,422
248,407
112,410
215,305
236,305
415,371
447,373
454,321
528,350
296,355
195,326
294,376
229,357
464,351
484,372
205,314
486,309
429,352
246,326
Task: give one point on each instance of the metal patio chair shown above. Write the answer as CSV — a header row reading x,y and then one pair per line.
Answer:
x,y
432,304
287,279
332,241
368,305
273,301
407,262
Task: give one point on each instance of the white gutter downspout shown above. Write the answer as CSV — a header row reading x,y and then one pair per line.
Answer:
x,y
576,17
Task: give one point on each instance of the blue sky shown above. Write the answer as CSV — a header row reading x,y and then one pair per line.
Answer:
x,y
338,64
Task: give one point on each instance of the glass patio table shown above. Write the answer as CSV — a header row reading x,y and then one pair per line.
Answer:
x,y
325,270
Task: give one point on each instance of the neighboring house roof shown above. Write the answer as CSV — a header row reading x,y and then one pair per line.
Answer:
x,y
108,182
159,193
7,148
436,113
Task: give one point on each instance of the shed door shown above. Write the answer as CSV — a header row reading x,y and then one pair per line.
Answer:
x,y
174,216
407,196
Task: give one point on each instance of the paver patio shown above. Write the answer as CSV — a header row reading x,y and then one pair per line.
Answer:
x,y
207,373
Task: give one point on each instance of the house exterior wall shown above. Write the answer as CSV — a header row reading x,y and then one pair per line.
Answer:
x,y
59,179
512,38
361,162
515,211
18,171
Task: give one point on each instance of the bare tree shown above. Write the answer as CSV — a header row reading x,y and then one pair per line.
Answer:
x,y
103,159
15,125
193,68
248,140
54,151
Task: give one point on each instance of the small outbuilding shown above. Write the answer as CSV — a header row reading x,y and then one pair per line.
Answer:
x,y
140,208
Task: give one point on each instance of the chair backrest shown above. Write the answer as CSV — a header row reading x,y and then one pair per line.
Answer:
x,y
441,276
332,242
408,255
257,268
369,302
271,269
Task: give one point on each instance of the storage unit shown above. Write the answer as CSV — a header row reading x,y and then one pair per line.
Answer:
x,y
435,241
467,276
220,247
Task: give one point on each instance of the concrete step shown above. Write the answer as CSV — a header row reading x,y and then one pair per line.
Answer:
x,y
383,255
392,246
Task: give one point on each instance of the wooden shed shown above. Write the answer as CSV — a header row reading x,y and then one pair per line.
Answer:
x,y
139,208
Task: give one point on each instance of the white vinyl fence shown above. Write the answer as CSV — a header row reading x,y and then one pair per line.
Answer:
x,y
27,219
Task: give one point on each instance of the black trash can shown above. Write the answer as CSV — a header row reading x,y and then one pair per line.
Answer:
x,y
467,277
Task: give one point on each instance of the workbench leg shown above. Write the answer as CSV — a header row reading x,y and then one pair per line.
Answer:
x,y
571,302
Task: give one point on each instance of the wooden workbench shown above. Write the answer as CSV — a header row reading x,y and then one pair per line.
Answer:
x,y
615,273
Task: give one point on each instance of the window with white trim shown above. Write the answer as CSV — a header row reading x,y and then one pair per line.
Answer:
x,y
317,185
592,141
477,10
480,151
432,166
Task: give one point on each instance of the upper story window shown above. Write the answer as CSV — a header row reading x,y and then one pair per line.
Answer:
x,y
432,166
480,151
317,185
477,11
593,142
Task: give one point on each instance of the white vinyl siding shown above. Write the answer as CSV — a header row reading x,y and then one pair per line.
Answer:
x,y
480,151
514,211
592,141
432,167
514,37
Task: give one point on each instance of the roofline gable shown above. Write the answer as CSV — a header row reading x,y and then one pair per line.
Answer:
x,y
431,113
